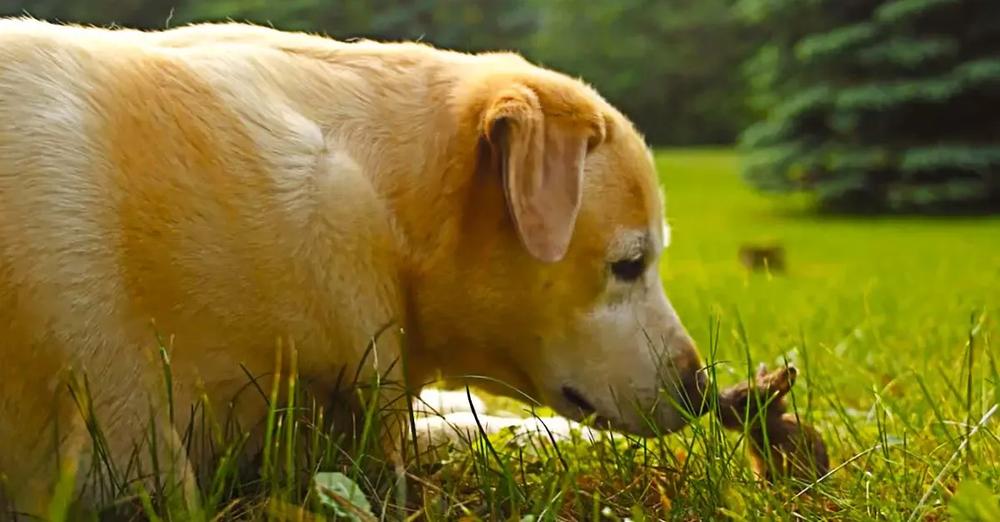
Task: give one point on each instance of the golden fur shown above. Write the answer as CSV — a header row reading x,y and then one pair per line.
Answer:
x,y
228,185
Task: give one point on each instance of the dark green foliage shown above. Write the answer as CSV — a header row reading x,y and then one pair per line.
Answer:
x,y
869,104
143,14
672,66
875,105
499,24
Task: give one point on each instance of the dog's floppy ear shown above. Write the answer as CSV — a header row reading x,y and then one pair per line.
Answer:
x,y
540,160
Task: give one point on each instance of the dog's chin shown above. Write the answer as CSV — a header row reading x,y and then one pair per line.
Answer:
x,y
637,428
591,419
575,406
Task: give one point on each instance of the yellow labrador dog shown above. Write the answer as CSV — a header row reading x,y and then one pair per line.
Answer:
x,y
228,185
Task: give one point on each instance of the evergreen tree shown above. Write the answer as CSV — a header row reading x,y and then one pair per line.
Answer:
x,y
878,104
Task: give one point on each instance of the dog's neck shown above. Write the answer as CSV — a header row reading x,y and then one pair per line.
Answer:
x,y
422,156
401,126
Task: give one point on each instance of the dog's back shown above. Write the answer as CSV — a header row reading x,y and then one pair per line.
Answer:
x,y
141,183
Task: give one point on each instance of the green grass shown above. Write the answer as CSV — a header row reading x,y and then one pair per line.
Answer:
x,y
876,312
891,321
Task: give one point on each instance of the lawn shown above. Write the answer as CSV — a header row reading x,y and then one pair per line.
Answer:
x,y
892,323
880,315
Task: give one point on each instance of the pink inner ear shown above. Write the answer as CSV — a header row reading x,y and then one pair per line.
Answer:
x,y
558,200
543,171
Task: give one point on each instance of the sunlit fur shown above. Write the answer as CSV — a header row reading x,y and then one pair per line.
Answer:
x,y
228,185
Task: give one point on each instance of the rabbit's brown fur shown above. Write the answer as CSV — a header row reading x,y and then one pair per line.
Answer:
x,y
780,445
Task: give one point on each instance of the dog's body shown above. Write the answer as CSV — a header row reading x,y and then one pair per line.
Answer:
x,y
225,186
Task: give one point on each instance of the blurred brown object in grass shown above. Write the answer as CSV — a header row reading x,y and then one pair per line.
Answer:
x,y
780,445
763,257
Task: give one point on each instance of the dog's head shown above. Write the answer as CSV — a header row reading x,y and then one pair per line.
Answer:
x,y
554,286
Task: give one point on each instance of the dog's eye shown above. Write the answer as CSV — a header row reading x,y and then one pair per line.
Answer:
x,y
629,269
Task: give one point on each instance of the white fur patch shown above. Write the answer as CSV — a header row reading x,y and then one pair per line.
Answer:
x,y
666,234
433,401
452,422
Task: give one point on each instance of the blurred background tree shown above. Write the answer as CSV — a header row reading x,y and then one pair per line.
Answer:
x,y
877,105
672,66
869,104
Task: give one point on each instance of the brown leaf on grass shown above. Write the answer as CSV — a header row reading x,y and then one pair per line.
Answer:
x,y
665,503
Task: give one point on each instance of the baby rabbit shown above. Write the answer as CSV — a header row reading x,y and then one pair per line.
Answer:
x,y
780,445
